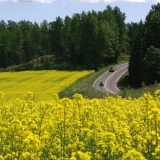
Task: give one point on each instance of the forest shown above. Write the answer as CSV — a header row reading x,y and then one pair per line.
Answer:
x,y
86,41
144,64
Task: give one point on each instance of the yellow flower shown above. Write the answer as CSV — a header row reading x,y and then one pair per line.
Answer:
x,y
1,95
29,95
55,97
25,156
80,156
8,157
1,157
133,155
157,92
78,96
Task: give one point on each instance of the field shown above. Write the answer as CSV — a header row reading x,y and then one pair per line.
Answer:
x,y
37,124
80,128
42,83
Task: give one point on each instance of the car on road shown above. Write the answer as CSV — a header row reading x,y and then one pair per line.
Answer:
x,y
112,69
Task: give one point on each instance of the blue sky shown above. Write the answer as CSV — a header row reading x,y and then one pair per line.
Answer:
x,y
38,10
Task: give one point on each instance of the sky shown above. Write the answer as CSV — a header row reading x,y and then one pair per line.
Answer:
x,y
39,10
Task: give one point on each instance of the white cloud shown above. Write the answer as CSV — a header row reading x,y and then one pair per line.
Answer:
x,y
143,1
140,1
109,1
64,2
88,1
3,0
40,1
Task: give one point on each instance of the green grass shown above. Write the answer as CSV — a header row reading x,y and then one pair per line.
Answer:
x,y
84,85
124,81
44,85
127,90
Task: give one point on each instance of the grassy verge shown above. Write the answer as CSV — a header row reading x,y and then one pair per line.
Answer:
x,y
127,90
84,86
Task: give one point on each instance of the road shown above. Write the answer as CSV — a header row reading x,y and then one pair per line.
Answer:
x,y
110,79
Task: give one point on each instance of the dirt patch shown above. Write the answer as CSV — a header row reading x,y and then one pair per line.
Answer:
x,y
40,58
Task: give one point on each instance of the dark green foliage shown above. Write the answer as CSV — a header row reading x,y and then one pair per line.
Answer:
x,y
144,63
25,27
152,27
87,40
123,38
45,42
46,63
3,44
152,65
56,40
132,31
135,62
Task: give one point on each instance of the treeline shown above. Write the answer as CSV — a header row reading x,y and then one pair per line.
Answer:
x,y
144,65
88,39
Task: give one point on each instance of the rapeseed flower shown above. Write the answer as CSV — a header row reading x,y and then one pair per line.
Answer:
x,y
1,157
80,128
1,95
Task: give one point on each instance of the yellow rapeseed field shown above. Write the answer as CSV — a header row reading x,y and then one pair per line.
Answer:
x,y
35,127
42,83
112,128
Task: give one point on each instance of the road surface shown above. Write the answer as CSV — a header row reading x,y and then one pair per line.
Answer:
x,y
110,79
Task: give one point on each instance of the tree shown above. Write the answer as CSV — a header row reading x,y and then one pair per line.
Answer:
x,y
144,60
45,42
67,39
75,39
113,48
83,59
152,65
136,59
35,39
25,27
15,46
90,35
123,37
131,31
3,45
56,38
11,44
87,40
152,25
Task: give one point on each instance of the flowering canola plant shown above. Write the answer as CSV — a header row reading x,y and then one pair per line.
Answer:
x,y
41,83
80,128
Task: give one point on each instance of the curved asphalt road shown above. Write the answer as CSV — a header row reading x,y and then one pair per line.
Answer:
x,y
109,80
